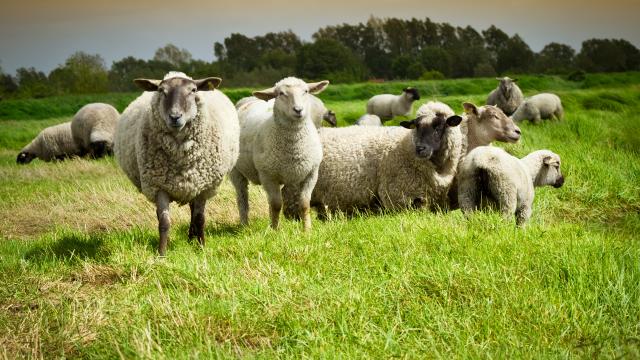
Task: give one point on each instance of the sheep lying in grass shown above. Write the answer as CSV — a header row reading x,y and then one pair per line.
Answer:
x,y
93,127
369,120
318,111
393,167
279,146
388,106
507,96
490,177
541,106
52,143
176,142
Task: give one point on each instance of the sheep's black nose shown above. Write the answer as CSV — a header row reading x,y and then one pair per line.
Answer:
x,y
175,117
518,131
297,109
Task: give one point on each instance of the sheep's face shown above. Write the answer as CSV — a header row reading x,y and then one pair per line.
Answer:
x,y
491,124
506,84
549,173
412,94
331,118
291,98
25,157
429,133
178,98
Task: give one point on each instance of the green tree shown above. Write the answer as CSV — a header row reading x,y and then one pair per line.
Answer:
x,y
607,55
82,73
516,56
173,55
327,58
32,83
555,58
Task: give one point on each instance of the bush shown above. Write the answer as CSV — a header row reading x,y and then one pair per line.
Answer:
x,y
432,75
578,75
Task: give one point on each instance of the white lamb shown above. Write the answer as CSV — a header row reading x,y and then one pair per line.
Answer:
x,y
490,177
369,120
318,111
540,106
507,96
279,146
93,127
388,106
52,143
176,142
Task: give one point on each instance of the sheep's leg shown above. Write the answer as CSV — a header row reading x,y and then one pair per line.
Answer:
x,y
323,213
468,195
306,188
508,203
290,194
196,228
241,184
164,221
274,196
523,214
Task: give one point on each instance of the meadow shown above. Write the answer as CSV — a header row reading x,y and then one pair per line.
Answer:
x,y
80,276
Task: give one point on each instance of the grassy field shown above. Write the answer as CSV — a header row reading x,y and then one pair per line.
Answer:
x,y
80,276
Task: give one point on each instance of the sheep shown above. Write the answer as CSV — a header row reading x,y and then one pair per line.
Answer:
x,y
176,142
93,127
279,146
540,106
318,111
388,106
369,120
507,96
389,167
489,176
52,143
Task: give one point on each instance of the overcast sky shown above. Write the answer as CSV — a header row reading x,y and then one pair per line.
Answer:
x,y
43,33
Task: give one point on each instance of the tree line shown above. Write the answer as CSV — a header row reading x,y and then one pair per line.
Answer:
x,y
380,49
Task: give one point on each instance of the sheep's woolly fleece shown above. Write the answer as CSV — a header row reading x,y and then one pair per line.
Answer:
x,y
53,142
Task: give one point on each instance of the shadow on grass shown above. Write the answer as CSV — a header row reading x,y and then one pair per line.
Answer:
x,y
72,247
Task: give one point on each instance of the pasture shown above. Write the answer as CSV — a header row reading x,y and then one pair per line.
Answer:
x,y
80,276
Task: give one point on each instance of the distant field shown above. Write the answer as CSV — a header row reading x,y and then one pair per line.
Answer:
x,y
80,276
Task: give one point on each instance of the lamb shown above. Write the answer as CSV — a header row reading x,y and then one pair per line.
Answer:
x,y
390,167
490,177
279,146
369,120
388,106
507,96
540,106
318,111
52,143
93,127
176,142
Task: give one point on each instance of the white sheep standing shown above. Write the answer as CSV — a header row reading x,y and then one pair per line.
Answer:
x,y
489,176
388,106
369,120
507,96
540,106
393,167
93,127
52,143
176,142
318,111
279,146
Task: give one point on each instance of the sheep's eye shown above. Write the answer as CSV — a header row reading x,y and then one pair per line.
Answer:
x,y
194,90
282,93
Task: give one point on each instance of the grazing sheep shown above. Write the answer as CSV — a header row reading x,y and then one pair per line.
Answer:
x,y
507,96
540,106
52,143
176,142
489,176
369,120
279,146
318,111
388,106
93,127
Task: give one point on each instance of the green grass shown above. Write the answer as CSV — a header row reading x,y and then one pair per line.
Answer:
x,y
80,276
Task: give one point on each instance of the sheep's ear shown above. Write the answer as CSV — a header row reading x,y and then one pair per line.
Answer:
x,y
209,83
317,88
266,94
147,84
454,120
408,124
470,108
499,79
547,160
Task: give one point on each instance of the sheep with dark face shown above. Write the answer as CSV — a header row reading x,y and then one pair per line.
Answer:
x,y
53,143
507,96
388,106
176,142
490,177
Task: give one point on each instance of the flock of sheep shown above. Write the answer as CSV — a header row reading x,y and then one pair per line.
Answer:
x,y
178,140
